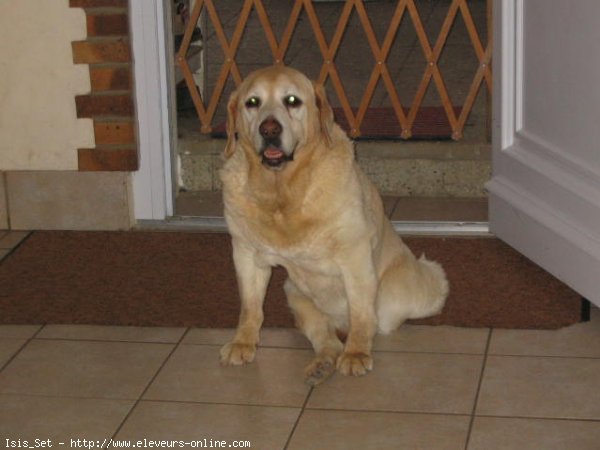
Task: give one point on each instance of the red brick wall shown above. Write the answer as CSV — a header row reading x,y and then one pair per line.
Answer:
x,y
110,103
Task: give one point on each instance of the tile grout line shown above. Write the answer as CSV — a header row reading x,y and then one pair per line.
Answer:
x,y
21,348
404,352
14,356
293,430
152,379
479,384
11,250
122,399
591,358
389,411
111,341
542,418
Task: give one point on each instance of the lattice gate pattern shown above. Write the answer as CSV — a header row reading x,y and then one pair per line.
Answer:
x,y
380,39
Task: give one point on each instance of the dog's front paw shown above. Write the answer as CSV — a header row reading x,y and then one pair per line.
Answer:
x,y
237,353
356,364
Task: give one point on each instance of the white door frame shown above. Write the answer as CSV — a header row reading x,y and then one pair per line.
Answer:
x,y
544,199
153,182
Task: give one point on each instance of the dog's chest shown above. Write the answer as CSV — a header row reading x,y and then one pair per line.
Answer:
x,y
276,223
287,242
291,240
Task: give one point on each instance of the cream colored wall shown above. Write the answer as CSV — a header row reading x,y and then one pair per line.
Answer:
x,y
39,129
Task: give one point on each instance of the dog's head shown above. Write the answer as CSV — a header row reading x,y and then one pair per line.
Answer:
x,y
276,112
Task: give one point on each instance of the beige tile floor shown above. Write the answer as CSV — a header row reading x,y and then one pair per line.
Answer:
x,y
431,388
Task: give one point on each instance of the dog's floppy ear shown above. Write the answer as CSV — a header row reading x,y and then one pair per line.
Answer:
x,y
325,112
231,124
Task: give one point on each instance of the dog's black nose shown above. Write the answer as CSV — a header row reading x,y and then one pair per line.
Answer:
x,y
270,128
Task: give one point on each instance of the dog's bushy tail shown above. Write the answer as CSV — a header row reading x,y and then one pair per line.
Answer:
x,y
437,287
410,289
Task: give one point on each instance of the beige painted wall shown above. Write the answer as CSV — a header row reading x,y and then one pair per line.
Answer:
x,y
39,129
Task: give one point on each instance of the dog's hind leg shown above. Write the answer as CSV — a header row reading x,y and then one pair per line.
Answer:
x,y
319,330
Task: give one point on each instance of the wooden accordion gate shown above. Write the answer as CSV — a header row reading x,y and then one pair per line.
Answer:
x,y
380,49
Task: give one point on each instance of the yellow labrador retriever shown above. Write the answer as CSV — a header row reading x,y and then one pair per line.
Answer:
x,y
294,196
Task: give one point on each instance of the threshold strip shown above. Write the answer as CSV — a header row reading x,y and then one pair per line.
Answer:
x,y
404,228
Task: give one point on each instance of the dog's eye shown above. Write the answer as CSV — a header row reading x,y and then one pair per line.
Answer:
x,y
292,101
253,102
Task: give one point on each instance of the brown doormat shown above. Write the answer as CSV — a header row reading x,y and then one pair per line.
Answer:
x,y
431,123
187,279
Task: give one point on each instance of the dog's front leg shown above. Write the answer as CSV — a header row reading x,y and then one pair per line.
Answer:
x,y
252,282
360,282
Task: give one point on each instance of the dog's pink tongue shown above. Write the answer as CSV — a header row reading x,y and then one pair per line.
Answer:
x,y
273,153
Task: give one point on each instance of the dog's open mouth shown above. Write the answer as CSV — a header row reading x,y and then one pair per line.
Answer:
x,y
275,157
